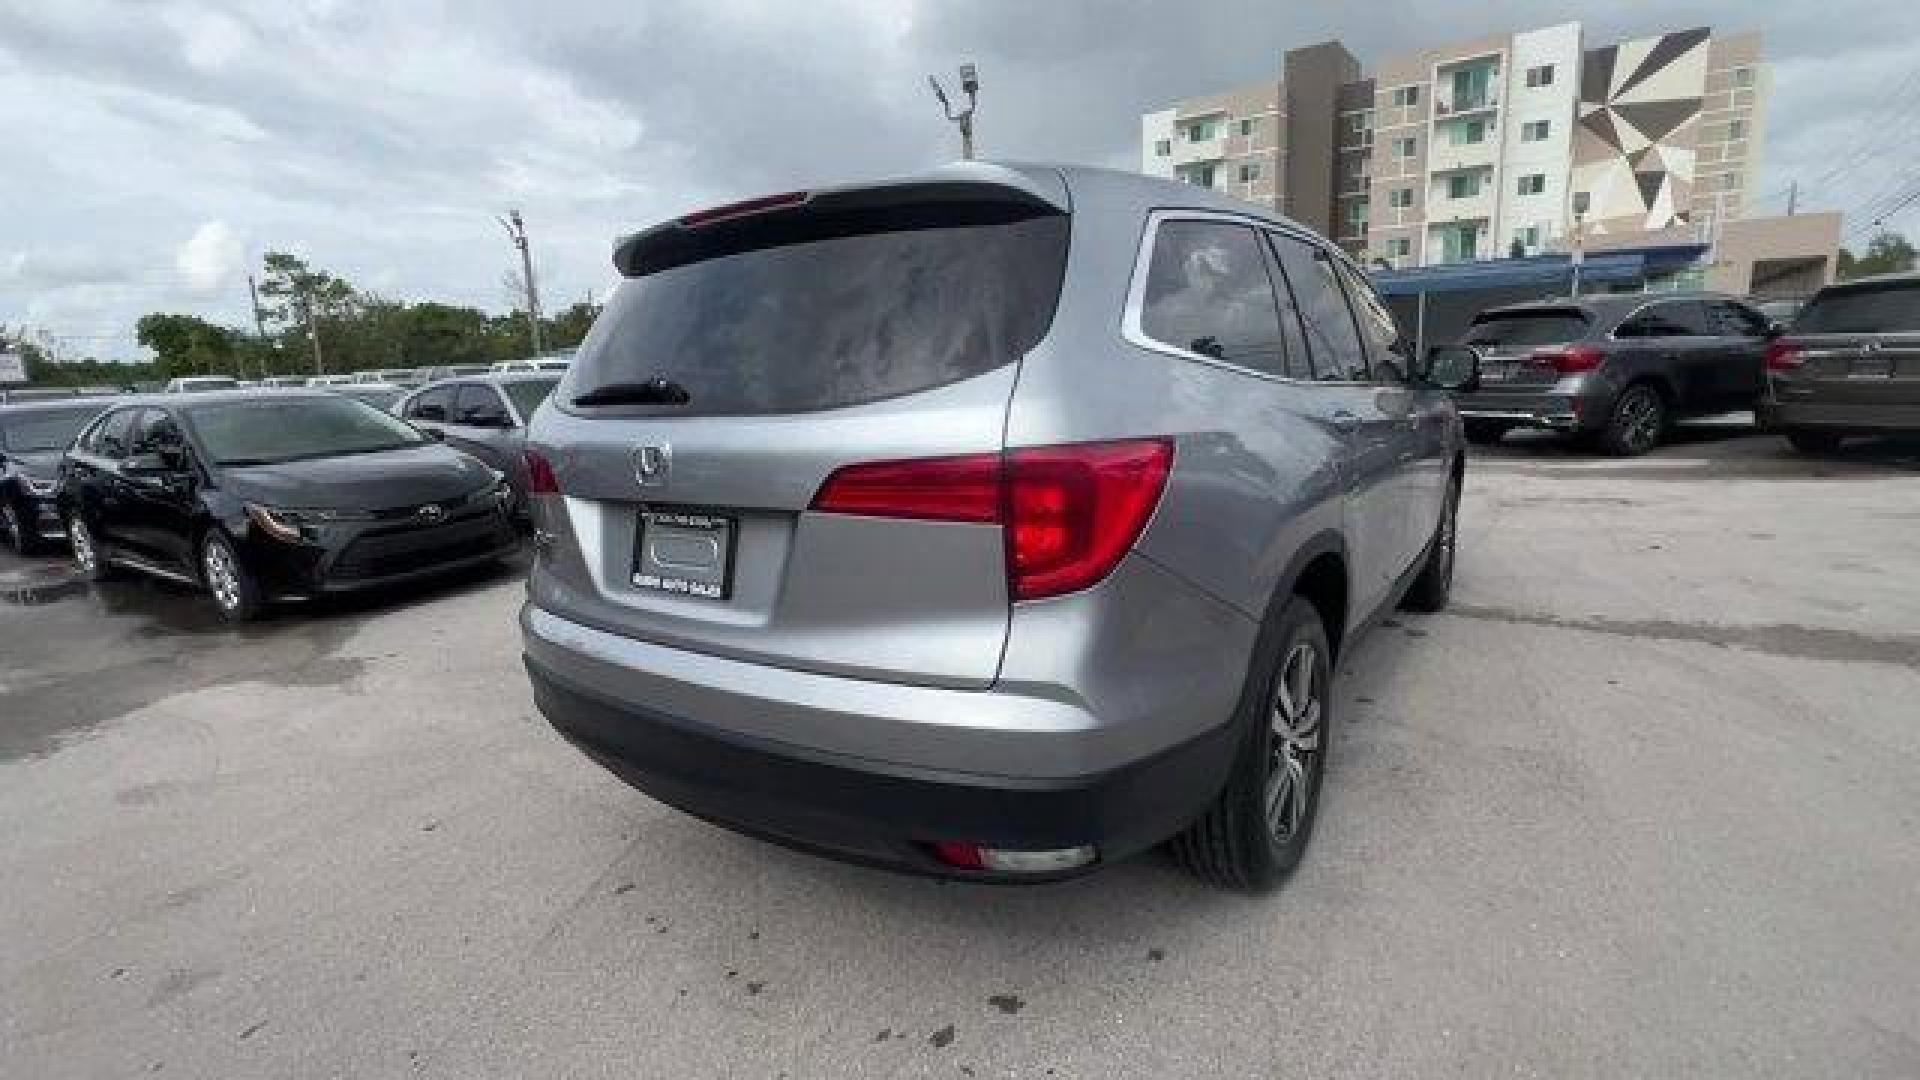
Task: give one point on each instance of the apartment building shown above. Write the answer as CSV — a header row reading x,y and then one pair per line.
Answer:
x,y
1509,143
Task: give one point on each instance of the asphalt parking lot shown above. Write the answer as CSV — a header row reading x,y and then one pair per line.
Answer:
x,y
1645,801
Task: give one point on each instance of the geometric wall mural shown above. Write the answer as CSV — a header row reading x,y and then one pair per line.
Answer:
x,y
1638,130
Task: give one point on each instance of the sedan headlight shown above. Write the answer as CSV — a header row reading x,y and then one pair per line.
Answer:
x,y
39,487
279,524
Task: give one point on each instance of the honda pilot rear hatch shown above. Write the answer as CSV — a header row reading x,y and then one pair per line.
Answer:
x,y
751,352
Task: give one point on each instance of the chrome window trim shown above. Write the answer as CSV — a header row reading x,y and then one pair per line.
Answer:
x,y
1130,328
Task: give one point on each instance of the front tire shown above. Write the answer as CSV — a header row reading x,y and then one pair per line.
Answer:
x,y
1636,423
1431,590
13,531
1258,828
234,590
1814,442
88,562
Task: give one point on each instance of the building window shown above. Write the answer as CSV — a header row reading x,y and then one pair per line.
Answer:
x,y
1528,237
1246,128
1743,77
1162,147
1463,185
1359,122
1533,183
1535,130
1249,172
1405,146
1400,198
1540,76
1736,129
1399,247
1356,217
1467,133
1203,130
1198,175
1406,97
1732,182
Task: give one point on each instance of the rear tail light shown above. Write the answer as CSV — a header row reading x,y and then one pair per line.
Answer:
x,y
1570,360
540,478
1069,512
1783,355
967,856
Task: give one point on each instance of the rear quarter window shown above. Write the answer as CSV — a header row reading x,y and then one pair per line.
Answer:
x,y
866,307
1890,308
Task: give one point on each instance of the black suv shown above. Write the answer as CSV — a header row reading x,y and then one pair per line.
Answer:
x,y
1614,368
1849,366
259,494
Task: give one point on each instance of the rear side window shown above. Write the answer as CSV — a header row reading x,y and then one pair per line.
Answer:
x,y
1735,320
1520,331
1891,308
1678,318
477,403
1377,326
1207,292
433,405
1332,337
802,312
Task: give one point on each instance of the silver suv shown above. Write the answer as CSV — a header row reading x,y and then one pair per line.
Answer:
x,y
999,522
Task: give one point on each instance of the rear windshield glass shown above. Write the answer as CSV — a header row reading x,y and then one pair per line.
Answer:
x,y
292,429
527,394
827,322
1514,331
1875,309
44,429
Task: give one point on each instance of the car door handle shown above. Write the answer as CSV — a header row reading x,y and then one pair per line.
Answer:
x,y
1344,422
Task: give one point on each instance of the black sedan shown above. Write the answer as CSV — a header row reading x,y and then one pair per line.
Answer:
x,y
258,495
32,437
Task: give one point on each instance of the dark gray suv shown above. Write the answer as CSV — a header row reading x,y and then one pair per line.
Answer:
x,y
997,523
1614,369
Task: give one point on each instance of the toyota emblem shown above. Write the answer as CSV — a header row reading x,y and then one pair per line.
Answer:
x,y
432,513
651,462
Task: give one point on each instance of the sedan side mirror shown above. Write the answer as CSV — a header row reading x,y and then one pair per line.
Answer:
x,y
161,463
433,433
1453,368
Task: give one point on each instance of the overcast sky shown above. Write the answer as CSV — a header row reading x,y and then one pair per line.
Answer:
x,y
154,150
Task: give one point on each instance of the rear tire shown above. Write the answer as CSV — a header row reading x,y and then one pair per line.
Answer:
x,y
1636,423
235,592
1814,442
1258,828
1431,590
1486,432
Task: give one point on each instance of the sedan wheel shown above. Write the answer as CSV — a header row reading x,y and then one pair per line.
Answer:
x,y
86,551
231,586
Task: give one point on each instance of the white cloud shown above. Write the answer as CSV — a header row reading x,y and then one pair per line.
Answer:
x,y
211,258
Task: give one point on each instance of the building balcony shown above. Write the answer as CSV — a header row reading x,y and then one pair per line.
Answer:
x,y
1445,156
1443,208
1187,153
1445,104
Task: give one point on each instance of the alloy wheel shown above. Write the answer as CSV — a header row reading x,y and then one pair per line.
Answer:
x,y
1640,418
81,540
223,578
1294,746
10,528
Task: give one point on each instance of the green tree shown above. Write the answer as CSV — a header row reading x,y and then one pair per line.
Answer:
x,y
187,344
567,329
306,302
1887,253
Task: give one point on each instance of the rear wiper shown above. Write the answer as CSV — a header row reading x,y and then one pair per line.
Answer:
x,y
655,391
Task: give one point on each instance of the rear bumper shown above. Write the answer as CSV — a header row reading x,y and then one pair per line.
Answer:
x,y
1558,412
1858,418
858,808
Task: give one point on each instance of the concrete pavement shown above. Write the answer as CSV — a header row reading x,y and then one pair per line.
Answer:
x,y
1646,801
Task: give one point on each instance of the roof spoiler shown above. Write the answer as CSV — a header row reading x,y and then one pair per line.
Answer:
x,y
801,216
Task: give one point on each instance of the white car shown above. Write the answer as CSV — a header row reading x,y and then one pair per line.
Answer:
x,y
200,384
330,380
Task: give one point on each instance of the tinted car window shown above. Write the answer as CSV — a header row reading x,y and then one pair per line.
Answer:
x,y
43,429
1299,362
153,432
1678,318
1207,292
1377,326
805,311
433,405
1332,337
289,429
111,437
1889,308
477,404
1520,331
1736,320
527,394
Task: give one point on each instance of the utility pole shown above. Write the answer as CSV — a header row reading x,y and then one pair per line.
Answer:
x,y
313,335
517,232
1793,197
259,323
969,85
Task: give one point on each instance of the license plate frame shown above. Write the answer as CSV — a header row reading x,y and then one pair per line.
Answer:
x,y
684,551
1870,367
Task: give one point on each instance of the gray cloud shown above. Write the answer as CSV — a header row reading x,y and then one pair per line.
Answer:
x,y
381,139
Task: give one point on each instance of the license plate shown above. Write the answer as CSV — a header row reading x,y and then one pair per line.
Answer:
x,y
1498,370
1870,367
676,551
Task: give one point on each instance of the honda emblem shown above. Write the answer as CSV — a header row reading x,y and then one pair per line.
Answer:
x,y
651,462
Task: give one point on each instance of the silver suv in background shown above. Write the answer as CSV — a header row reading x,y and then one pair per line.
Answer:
x,y
996,523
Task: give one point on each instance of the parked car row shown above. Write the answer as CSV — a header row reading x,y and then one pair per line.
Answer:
x,y
1617,370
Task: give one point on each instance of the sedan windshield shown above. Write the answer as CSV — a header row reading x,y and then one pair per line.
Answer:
x,y
527,394
44,429
289,429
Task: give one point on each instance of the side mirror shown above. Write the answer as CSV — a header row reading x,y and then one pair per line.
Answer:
x,y
156,464
1453,368
432,433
